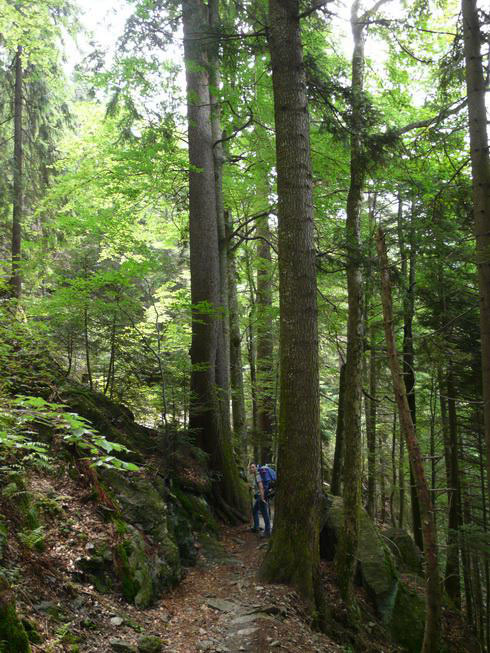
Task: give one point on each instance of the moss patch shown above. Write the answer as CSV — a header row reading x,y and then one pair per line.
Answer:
x,y
407,626
13,637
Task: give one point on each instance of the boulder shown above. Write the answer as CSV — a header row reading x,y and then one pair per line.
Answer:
x,y
407,555
376,568
400,608
407,625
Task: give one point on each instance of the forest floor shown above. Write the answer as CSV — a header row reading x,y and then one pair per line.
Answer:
x,y
220,606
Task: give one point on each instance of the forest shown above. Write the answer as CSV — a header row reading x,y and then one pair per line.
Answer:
x,y
235,232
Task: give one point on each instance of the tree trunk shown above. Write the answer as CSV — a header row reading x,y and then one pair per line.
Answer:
x,y
87,348
371,427
433,591
452,579
347,549
408,289
206,418
338,457
223,349
236,372
294,553
265,342
480,167
18,197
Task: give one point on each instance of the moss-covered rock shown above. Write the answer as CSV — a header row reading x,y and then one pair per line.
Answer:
x,y
190,519
149,644
142,571
97,568
376,567
13,637
408,621
407,555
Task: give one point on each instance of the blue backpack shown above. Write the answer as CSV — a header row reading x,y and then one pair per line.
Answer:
x,y
269,478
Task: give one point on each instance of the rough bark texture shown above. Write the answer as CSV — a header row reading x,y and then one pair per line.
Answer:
x,y
265,342
338,458
206,419
432,631
223,349
236,372
18,196
452,579
346,553
294,553
480,166
408,288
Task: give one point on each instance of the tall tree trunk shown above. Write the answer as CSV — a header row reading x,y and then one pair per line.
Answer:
x,y
265,342
371,426
18,197
408,289
252,357
401,481
236,372
480,167
223,348
347,549
87,348
372,378
452,579
433,591
338,457
294,553
206,417
393,471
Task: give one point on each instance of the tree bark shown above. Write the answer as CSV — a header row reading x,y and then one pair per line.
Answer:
x,y
206,418
480,167
408,289
433,592
236,371
338,457
346,551
18,196
452,579
265,342
223,349
294,553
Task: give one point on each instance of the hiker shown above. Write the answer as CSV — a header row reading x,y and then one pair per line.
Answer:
x,y
260,502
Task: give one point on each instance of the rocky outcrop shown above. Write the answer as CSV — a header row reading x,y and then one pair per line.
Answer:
x,y
408,557
400,609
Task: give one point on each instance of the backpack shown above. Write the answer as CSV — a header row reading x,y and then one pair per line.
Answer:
x,y
269,478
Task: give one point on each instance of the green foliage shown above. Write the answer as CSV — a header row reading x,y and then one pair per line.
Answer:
x,y
19,418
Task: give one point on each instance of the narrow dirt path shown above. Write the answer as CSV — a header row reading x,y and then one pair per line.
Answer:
x,y
221,607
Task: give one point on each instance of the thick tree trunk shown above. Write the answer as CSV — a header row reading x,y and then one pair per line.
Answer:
x,y
433,591
236,371
223,349
346,552
206,418
18,196
294,553
265,342
480,166
338,457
